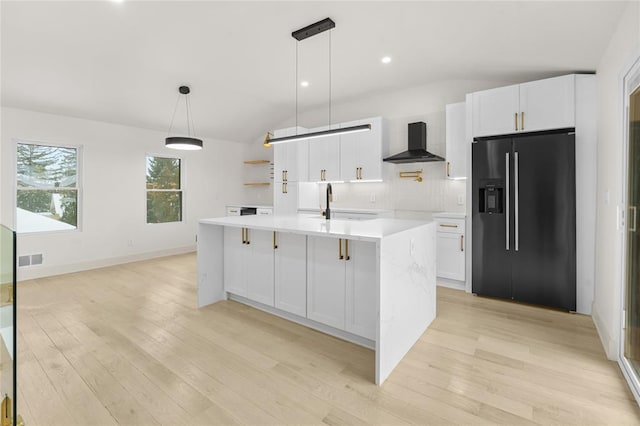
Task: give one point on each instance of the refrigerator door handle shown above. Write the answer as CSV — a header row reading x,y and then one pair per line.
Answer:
x,y
517,193
506,216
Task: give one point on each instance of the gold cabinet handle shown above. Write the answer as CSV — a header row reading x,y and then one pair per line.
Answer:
x,y
632,228
243,239
516,119
340,256
357,173
247,231
6,411
448,169
521,120
446,225
346,247
283,175
275,244
286,175
461,242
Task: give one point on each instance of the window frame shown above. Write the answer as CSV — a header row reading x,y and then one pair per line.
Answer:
x,y
182,188
79,184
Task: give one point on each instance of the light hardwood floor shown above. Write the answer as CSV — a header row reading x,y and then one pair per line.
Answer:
x,y
126,345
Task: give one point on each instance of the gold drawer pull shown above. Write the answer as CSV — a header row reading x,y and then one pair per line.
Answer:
x,y
446,225
340,256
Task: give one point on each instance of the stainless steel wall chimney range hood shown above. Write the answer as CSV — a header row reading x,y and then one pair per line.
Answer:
x,y
417,152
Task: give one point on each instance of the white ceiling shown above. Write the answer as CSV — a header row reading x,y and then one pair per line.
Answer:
x,y
122,62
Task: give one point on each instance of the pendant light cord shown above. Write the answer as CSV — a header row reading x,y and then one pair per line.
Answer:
x,y
175,108
330,79
190,124
296,85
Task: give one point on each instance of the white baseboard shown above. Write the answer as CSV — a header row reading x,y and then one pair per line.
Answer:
x,y
29,273
449,283
610,345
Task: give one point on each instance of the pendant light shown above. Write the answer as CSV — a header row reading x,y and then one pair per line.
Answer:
x,y
183,142
301,34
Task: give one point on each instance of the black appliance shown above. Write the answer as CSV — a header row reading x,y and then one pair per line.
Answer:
x,y
247,211
524,218
417,152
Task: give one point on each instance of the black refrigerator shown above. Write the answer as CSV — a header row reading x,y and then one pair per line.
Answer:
x,y
524,218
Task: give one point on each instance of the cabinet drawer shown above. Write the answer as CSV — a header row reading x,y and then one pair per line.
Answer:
x,y
233,211
265,212
455,226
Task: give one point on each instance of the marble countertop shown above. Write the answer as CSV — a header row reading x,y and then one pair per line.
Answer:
x,y
366,230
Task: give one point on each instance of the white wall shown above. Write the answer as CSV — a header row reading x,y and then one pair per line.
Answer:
x,y
425,103
113,226
624,45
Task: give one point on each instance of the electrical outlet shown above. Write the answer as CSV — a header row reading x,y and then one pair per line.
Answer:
x,y
130,243
372,198
461,199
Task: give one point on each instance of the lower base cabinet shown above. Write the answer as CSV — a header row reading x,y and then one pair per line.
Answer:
x,y
450,248
248,264
341,284
328,280
290,271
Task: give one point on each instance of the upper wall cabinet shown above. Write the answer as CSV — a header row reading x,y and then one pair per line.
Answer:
x,y
324,157
361,153
456,129
529,107
290,159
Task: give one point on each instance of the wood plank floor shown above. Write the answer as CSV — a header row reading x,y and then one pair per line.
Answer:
x,y
126,345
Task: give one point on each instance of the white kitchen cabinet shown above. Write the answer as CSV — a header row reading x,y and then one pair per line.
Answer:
x,y
290,158
291,273
324,157
259,265
342,283
548,104
361,152
325,281
538,105
450,248
495,111
456,148
235,273
285,198
361,289
248,264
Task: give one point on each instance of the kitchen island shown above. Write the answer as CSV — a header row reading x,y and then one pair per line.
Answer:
x,y
371,282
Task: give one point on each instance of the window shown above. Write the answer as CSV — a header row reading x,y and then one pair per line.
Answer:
x,y
47,188
164,190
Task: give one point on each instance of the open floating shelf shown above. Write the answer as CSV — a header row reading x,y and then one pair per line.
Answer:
x,y
257,162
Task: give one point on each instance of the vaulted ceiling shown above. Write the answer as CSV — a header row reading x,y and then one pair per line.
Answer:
x,y
122,62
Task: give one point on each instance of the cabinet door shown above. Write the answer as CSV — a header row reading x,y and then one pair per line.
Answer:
x,y
325,282
450,256
495,110
235,279
259,266
290,160
285,198
456,127
291,273
362,289
547,104
361,153
324,157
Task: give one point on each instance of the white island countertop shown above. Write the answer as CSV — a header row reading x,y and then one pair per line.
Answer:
x,y
364,230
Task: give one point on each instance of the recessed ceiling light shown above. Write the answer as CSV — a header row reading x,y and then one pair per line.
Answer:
x,y
386,59
304,83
